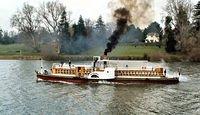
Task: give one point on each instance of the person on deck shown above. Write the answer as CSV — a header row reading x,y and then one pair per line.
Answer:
x,y
70,63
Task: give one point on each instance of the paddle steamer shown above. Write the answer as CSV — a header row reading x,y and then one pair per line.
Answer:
x,y
105,71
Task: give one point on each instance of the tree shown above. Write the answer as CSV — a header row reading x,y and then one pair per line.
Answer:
x,y
5,38
100,26
81,30
27,22
50,13
169,35
196,16
64,26
180,10
64,31
89,27
173,8
1,33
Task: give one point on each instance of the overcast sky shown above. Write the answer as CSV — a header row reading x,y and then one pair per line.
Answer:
x,y
87,8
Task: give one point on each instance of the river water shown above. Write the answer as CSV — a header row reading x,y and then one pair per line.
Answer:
x,y
20,94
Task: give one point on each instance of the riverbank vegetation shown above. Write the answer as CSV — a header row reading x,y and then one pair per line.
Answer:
x,y
122,51
181,34
48,32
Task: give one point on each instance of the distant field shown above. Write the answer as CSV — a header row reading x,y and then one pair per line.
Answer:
x,y
120,50
127,50
14,49
20,51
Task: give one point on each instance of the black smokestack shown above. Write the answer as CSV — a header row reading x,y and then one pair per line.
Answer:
x,y
122,16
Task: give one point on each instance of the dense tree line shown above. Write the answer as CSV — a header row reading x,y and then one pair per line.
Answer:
x,y
184,36
5,38
50,22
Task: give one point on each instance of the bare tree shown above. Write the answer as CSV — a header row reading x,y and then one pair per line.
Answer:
x,y
50,13
173,8
181,11
27,22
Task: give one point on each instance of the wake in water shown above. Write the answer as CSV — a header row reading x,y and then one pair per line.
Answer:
x,y
52,81
182,78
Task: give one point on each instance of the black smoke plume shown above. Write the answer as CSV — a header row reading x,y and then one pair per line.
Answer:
x,y
122,16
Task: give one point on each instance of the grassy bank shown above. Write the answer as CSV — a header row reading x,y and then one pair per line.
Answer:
x,y
127,50
18,51
141,52
122,51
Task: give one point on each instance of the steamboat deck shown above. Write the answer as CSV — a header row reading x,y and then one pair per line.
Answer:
x,y
101,71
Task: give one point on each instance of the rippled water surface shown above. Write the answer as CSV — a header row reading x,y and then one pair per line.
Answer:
x,y
20,94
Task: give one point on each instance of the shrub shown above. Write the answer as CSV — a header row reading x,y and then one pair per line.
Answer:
x,y
158,56
194,55
146,57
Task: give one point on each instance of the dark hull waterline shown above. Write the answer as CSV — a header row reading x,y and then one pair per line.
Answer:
x,y
78,80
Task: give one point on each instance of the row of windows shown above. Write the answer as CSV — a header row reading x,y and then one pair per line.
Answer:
x,y
142,73
64,71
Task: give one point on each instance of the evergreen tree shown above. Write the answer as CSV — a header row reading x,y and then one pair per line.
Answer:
x,y
81,30
196,16
169,35
100,26
63,31
64,26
